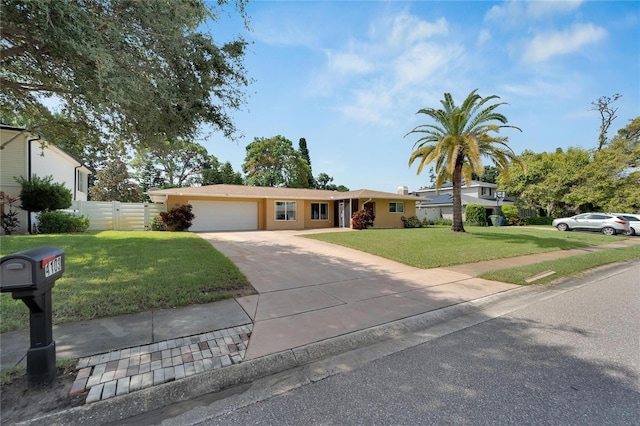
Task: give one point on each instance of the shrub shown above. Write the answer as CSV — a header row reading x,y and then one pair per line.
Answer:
x,y
42,195
362,219
61,223
412,222
178,218
10,221
157,225
511,214
476,214
545,220
442,221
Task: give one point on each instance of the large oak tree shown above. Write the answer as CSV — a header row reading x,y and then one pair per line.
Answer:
x,y
140,71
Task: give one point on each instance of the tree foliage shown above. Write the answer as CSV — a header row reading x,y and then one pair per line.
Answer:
x,y
461,137
489,175
140,71
113,183
549,177
177,162
41,194
577,179
304,152
275,162
611,180
607,115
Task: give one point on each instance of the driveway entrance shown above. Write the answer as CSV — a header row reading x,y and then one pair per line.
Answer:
x,y
310,290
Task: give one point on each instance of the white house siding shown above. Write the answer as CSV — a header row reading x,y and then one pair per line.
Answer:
x,y
52,161
47,160
13,163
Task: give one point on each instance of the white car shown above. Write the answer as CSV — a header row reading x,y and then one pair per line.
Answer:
x,y
608,224
634,222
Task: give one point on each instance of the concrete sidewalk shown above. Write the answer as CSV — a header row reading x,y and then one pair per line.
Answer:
x,y
309,292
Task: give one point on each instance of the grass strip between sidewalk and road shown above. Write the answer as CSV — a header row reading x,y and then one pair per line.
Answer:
x,y
113,273
568,267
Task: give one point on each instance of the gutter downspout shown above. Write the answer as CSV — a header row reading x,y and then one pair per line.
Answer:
x,y
29,141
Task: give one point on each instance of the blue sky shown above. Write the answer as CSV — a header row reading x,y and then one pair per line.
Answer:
x,y
349,76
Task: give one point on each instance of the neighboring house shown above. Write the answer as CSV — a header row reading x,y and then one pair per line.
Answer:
x,y
237,207
439,203
24,153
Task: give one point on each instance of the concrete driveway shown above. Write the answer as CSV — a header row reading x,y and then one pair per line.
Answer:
x,y
311,290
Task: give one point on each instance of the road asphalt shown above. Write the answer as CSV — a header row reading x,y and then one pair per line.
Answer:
x,y
314,300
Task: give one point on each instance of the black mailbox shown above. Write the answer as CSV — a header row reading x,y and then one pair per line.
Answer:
x,y
29,276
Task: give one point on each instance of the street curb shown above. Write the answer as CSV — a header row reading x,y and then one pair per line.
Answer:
x,y
122,407
156,397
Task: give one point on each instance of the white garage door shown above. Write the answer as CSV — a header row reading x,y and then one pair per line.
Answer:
x,y
224,216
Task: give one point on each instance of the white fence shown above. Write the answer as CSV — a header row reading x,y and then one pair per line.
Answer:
x,y
117,216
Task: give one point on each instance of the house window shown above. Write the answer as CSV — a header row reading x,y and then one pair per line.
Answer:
x,y
80,178
487,191
396,207
319,211
285,210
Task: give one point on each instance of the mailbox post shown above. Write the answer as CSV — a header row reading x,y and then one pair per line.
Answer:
x,y
29,276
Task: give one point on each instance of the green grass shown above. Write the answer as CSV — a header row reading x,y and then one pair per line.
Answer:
x,y
437,246
568,267
112,273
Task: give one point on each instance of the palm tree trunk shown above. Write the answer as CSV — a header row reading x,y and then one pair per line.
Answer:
x,y
457,225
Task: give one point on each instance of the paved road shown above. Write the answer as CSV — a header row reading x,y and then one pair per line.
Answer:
x,y
570,359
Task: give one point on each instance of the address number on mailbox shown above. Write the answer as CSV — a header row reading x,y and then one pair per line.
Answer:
x,y
52,265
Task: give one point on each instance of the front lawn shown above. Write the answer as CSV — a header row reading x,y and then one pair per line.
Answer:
x,y
112,273
433,247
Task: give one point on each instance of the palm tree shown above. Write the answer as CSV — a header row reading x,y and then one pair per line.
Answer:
x,y
459,140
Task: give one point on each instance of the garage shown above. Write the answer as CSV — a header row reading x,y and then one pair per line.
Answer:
x,y
224,216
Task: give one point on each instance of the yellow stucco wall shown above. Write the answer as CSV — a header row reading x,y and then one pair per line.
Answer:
x,y
385,219
266,212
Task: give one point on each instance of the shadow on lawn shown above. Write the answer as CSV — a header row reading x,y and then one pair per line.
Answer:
x,y
558,242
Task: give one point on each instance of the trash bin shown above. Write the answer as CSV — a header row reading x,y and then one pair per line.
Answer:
x,y
496,220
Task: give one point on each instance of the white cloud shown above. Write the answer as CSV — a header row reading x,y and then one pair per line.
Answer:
x,y
409,29
514,12
388,67
547,45
561,87
540,9
348,63
422,61
483,37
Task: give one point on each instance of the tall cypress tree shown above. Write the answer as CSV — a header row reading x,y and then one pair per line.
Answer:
x,y
304,152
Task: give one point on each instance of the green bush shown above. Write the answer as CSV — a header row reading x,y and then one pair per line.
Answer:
x,y
61,223
157,225
42,195
442,221
537,220
412,222
511,214
476,214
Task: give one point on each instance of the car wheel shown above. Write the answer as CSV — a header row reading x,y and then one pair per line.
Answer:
x,y
632,232
608,231
562,227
